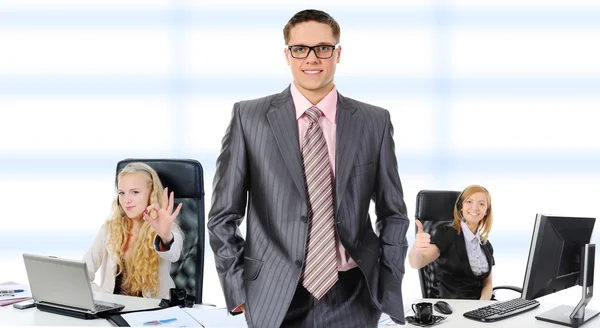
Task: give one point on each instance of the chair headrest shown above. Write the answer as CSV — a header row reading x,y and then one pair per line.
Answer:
x,y
182,176
436,205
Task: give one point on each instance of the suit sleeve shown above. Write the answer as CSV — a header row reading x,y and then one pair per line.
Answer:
x,y
392,225
174,252
442,239
230,187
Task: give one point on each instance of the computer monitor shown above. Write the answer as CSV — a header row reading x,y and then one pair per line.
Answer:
x,y
561,256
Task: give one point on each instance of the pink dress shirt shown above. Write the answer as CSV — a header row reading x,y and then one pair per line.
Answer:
x,y
328,106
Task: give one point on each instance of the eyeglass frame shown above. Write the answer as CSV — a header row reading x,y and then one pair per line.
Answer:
x,y
335,46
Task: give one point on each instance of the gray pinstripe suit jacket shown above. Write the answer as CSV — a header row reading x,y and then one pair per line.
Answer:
x,y
259,175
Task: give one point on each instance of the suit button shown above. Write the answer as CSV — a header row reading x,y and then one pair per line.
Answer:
x,y
339,222
303,218
298,263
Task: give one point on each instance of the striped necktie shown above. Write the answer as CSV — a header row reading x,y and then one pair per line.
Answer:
x,y
320,267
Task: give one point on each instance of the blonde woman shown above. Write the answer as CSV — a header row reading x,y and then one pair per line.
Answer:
x,y
462,250
138,243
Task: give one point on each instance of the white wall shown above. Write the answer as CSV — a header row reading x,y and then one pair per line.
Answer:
x,y
498,93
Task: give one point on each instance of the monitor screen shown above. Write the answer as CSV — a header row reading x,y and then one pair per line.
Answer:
x,y
555,254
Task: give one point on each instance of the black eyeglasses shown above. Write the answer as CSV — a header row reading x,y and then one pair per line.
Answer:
x,y
322,51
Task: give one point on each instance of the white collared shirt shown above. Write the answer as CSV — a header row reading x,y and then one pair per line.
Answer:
x,y
477,258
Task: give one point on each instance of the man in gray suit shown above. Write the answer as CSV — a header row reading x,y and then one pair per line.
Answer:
x,y
303,166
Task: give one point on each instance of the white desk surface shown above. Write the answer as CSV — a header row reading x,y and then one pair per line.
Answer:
x,y
459,307
9,316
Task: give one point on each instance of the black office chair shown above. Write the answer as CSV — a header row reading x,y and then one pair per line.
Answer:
x,y
436,208
185,178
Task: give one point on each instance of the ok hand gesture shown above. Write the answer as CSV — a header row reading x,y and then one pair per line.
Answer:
x,y
164,220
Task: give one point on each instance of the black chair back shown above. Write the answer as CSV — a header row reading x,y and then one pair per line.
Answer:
x,y
434,208
185,178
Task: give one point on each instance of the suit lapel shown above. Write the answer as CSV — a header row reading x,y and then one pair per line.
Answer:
x,y
461,250
349,130
282,119
488,256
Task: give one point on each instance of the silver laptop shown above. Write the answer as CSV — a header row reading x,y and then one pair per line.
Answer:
x,y
62,286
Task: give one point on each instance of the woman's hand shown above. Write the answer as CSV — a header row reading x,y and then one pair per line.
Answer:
x,y
164,219
422,239
423,251
487,290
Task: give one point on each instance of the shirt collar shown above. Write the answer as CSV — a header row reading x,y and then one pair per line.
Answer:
x,y
327,105
469,236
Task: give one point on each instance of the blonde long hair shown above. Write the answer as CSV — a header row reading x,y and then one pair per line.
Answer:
x,y
142,269
488,219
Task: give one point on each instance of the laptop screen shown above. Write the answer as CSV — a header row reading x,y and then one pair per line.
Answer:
x,y
59,281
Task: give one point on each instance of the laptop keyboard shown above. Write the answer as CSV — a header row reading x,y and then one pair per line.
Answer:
x,y
501,310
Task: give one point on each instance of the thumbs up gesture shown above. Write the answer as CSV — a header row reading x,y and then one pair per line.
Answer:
x,y
422,239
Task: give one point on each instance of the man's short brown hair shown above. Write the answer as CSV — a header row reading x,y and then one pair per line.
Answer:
x,y
311,15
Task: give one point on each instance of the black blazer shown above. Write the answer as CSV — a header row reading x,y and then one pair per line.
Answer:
x,y
454,274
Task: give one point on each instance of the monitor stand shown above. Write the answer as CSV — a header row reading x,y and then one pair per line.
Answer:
x,y
563,315
577,316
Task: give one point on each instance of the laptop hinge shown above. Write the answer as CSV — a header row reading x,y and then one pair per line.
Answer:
x,y
66,307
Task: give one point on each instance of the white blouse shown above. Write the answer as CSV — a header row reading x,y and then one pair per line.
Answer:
x,y
98,257
477,259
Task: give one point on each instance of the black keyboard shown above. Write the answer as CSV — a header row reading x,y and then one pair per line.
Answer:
x,y
502,310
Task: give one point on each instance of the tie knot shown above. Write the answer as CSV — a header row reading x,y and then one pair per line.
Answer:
x,y
313,114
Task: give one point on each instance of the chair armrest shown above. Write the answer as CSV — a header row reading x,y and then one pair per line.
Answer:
x,y
516,289
513,288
